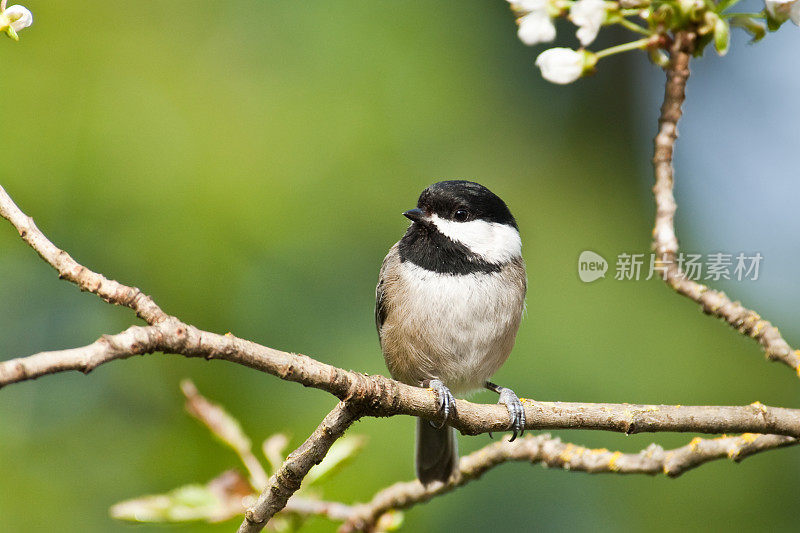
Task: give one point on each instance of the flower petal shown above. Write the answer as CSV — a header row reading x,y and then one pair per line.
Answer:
x,y
783,10
589,16
536,27
19,17
794,14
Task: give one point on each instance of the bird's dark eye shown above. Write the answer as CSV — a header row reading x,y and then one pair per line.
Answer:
x,y
461,215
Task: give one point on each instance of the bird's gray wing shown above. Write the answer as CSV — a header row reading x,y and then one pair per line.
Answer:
x,y
390,262
380,306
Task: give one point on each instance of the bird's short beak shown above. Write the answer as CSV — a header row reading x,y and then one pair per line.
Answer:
x,y
415,215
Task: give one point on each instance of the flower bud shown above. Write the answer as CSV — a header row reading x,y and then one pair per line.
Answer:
x,y
722,35
563,65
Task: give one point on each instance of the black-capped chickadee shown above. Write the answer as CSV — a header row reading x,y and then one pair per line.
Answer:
x,y
448,305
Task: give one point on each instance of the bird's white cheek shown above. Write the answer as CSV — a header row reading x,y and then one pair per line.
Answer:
x,y
495,243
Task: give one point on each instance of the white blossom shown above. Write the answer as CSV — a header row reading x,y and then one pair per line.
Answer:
x,y
535,24
562,65
17,17
14,19
589,16
783,10
536,28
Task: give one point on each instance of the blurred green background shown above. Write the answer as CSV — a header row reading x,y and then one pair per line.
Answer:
x,y
246,163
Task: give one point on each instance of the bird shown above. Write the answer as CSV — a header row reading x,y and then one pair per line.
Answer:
x,y
448,305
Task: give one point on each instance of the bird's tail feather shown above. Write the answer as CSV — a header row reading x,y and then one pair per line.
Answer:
x,y
437,452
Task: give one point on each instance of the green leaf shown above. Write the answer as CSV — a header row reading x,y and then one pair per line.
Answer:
x,y
184,504
725,4
722,36
758,31
218,500
221,423
342,451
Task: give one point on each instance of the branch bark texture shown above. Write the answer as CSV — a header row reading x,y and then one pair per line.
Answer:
x,y
552,453
665,242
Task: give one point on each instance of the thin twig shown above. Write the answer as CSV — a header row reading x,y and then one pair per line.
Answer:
x,y
135,340
286,481
109,290
225,428
665,242
336,511
551,452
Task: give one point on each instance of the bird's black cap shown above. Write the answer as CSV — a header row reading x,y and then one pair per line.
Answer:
x,y
462,200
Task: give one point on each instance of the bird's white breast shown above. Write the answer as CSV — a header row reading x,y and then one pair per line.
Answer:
x,y
457,328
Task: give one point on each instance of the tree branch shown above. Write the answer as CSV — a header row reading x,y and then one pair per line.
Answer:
x,y
70,270
287,480
665,243
551,452
380,396
133,341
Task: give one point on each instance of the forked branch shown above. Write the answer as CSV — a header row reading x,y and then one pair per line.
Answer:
x,y
288,478
665,243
